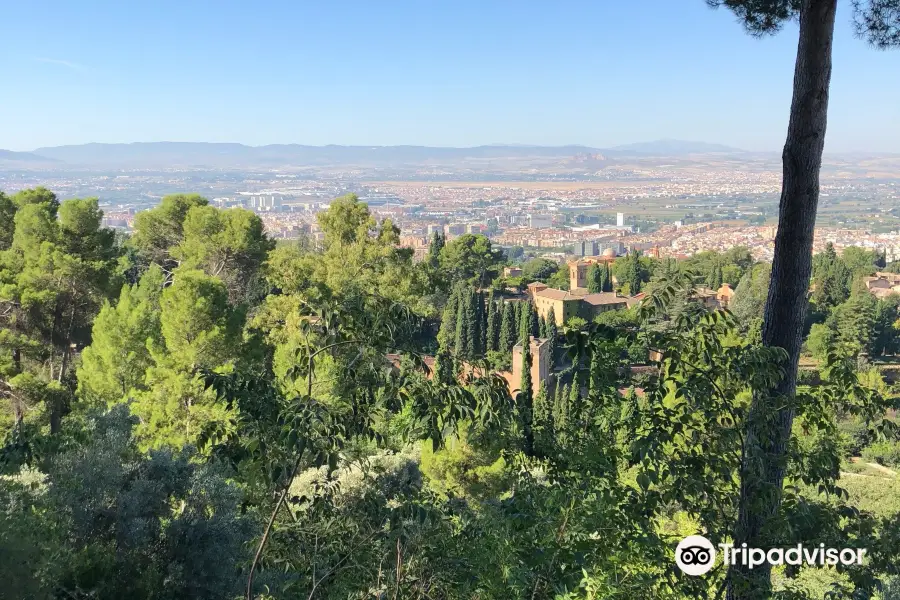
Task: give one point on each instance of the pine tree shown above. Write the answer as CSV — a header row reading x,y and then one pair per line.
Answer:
x,y
595,279
508,328
493,324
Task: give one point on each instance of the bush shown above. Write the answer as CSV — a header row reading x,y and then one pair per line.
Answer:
x,y
856,436
884,453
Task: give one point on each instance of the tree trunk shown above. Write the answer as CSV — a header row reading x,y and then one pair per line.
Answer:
x,y
768,430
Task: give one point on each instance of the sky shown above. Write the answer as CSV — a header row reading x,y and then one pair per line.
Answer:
x,y
422,72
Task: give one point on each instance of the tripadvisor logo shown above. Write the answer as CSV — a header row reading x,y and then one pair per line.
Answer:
x,y
696,555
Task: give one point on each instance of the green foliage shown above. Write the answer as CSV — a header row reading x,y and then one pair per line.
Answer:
x,y
122,339
229,244
470,258
750,294
109,522
885,453
158,230
539,269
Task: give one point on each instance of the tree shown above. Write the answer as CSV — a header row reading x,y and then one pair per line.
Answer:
x,y
539,269
228,244
447,332
158,230
714,281
855,319
749,298
533,321
763,471
831,279
200,331
595,279
508,328
473,326
471,258
7,225
462,344
886,336
53,279
525,399
820,340
543,422
492,328
122,339
552,336
606,282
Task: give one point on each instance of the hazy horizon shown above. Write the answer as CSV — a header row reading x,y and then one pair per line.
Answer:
x,y
437,75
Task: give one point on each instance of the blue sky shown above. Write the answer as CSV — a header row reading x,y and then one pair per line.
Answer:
x,y
469,72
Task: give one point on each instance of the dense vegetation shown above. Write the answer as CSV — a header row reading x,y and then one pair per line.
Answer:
x,y
196,412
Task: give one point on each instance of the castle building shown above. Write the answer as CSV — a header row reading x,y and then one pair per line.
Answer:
x,y
577,301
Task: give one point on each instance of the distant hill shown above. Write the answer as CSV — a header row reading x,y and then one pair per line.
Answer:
x,y
9,155
674,148
225,155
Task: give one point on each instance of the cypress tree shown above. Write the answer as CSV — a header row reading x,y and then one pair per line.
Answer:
x,y
634,273
492,324
595,279
447,332
543,421
543,326
507,328
552,335
524,323
534,326
472,335
461,343
607,278
443,367
561,415
525,401
478,333
573,406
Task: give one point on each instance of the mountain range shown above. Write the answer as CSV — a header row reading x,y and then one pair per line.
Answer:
x,y
224,155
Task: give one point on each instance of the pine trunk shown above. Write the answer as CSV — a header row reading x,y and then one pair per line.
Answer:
x,y
767,435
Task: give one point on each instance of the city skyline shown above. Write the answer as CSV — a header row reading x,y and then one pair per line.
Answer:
x,y
438,75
